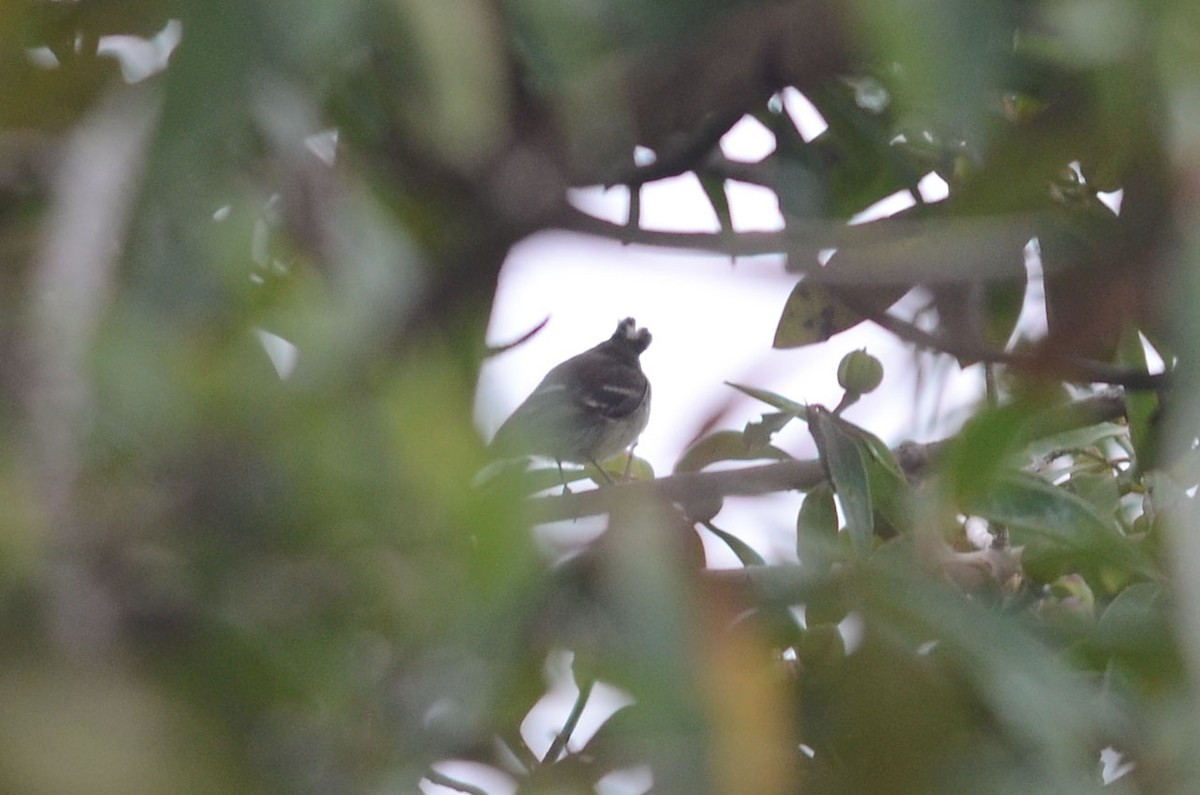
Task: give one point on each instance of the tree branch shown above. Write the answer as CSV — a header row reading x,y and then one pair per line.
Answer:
x,y
803,239
1070,368
896,251
699,488
683,156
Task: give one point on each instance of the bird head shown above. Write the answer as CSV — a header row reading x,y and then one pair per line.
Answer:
x,y
629,334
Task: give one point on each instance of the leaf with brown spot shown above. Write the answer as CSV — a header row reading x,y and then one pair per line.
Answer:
x,y
812,314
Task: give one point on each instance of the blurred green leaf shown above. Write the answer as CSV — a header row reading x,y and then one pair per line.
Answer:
x,y
1098,489
1135,630
986,446
1031,505
1044,562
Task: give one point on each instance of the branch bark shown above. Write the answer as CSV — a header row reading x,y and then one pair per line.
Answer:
x,y
1076,369
897,251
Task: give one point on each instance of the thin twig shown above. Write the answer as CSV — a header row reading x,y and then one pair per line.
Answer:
x,y
508,346
441,779
563,737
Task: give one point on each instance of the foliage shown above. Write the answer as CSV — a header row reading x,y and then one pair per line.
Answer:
x,y
245,281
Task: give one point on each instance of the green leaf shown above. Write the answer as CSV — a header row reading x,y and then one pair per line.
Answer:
x,y
985,446
773,399
1076,439
817,530
745,553
1043,510
843,459
1098,489
758,434
1135,630
1044,562
725,446
818,514
890,490
812,314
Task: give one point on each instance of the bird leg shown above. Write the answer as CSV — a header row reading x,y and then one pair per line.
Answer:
x,y
602,471
628,462
562,477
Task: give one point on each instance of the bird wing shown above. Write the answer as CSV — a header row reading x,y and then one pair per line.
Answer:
x,y
570,400
608,387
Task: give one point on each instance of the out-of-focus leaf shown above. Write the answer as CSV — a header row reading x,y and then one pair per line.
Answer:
x,y
1044,562
843,460
725,446
821,645
812,314
1136,631
1013,673
827,605
853,157
1098,489
983,449
1070,604
107,732
1077,439
1027,503
945,87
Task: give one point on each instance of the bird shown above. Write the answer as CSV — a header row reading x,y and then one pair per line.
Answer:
x,y
586,409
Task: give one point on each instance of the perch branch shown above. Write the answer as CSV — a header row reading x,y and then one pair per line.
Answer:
x,y
698,488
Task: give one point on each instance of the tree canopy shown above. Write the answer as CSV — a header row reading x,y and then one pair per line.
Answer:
x,y
247,257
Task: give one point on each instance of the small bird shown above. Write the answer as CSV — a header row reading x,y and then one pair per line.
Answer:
x,y
586,409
